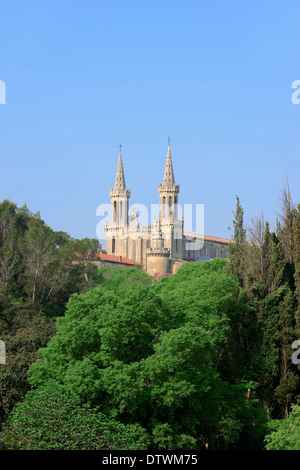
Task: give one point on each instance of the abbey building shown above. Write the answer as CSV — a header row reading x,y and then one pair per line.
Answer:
x,y
163,247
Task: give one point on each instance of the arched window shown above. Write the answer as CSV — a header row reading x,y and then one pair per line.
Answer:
x,y
170,206
121,211
163,207
115,211
113,245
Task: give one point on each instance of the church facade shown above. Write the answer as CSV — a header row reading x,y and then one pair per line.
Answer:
x,y
163,247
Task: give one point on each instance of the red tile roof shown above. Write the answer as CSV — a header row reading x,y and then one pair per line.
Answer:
x,y
114,259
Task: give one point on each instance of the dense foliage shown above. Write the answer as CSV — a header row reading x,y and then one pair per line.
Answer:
x,y
117,359
146,354
51,419
267,266
284,434
39,270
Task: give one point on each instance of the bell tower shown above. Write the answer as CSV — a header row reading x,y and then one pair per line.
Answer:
x,y
168,191
171,227
116,231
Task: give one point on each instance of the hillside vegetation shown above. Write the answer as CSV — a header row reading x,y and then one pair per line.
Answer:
x,y
116,359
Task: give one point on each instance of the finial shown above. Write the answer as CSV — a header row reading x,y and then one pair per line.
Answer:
x,y
120,147
169,140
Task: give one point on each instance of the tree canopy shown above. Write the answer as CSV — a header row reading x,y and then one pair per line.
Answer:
x,y
198,360
145,355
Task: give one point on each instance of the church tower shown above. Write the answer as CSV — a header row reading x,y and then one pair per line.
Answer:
x,y
171,227
116,231
168,192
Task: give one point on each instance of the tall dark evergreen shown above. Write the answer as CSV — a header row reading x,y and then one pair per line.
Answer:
x,y
286,223
237,247
288,377
297,264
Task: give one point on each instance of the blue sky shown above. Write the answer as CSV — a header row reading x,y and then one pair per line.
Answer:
x,y
83,77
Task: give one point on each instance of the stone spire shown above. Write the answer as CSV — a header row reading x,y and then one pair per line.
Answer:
x,y
169,180
120,184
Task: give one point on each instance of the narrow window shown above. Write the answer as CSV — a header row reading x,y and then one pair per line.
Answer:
x,y
163,207
121,211
115,212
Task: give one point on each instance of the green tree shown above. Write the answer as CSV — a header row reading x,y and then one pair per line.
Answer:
x,y
284,434
9,263
284,392
24,332
39,259
258,272
135,352
297,265
205,295
52,419
83,254
236,249
39,270
287,217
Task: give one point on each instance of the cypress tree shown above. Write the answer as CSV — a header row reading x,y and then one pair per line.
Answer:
x,y
237,247
284,392
297,264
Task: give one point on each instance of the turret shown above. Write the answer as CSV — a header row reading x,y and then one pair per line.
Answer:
x,y
116,231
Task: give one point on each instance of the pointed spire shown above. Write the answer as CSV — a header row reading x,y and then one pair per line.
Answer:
x,y
169,180
120,178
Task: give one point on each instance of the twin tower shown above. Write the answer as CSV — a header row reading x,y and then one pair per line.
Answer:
x,y
158,248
